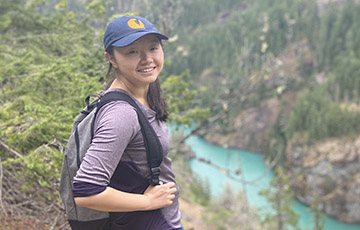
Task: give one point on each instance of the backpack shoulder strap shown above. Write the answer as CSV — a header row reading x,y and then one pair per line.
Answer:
x,y
152,144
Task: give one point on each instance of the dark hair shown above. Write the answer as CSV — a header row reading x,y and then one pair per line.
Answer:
x,y
155,95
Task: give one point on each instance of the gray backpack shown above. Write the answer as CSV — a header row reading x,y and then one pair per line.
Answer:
x,y
78,144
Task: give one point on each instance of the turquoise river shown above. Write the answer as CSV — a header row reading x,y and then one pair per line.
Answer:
x,y
254,169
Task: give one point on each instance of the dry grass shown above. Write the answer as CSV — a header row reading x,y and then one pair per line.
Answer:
x,y
33,208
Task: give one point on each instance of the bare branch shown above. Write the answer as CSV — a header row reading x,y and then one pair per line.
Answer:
x,y
10,150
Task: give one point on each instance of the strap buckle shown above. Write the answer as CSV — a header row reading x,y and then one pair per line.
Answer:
x,y
154,177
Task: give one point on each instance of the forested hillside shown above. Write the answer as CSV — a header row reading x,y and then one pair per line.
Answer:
x,y
287,85
237,46
272,76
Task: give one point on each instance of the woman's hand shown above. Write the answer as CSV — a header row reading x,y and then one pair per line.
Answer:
x,y
161,195
113,200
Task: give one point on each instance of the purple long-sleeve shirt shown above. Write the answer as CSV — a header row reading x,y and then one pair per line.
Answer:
x,y
117,158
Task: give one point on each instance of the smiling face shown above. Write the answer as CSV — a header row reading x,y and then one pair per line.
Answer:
x,y
140,63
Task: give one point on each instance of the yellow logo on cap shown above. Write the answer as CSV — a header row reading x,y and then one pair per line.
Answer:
x,y
135,23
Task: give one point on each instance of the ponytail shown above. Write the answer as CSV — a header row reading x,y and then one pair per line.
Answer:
x,y
157,101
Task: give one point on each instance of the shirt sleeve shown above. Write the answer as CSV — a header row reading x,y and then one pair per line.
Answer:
x,y
114,128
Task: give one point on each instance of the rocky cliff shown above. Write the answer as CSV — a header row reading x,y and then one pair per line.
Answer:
x,y
328,172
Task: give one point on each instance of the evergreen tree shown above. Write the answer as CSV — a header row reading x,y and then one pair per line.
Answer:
x,y
318,216
280,197
48,68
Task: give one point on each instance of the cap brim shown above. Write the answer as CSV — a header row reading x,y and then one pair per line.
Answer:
x,y
135,36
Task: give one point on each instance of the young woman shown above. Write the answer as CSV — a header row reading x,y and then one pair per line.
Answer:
x,y
112,176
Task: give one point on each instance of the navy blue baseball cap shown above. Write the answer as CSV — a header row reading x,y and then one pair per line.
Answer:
x,y
125,30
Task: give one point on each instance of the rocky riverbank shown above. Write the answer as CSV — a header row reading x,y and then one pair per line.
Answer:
x,y
328,172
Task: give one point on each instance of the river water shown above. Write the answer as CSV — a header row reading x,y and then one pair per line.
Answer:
x,y
254,171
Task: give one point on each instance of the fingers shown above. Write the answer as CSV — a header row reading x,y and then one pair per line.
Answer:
x,y
172,196
170,189
161,195
170,186
167,189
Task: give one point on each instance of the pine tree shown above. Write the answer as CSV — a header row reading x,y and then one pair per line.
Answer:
x,y
318,216
279,195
